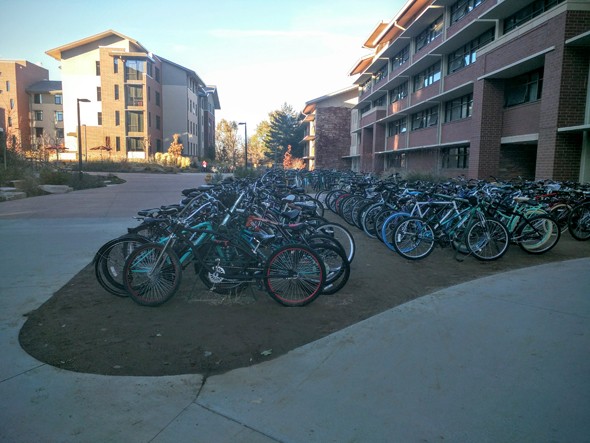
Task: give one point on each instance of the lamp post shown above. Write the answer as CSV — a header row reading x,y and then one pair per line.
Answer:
x,y
3,144
245,143
78,100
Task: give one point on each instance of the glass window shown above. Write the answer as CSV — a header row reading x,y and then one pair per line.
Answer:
x,y
59,132
425,119
157,70
58,99
7,85
463,7
39,116
59,116
381,74
400,58
115,65
37,99
524,88
98,94
98,67
99,118
134,95
118,144
158,122
117,118
134,69
11,103
427,77
467,54
455,158
429,34
397,127
398,93
134,144
38,132
529,12
459,108
116,92
134,121
157,98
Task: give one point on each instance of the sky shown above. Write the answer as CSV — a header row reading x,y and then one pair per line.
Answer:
x,y
259,53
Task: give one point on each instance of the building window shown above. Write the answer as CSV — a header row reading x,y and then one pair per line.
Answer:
x,y
134,95
7,85
397,127
365,109
425,119
38,133
400,58
427,77
380,101
381,74
134,144
38,116
98,67
116,92
149,89
158,122
118,144
429,34
133,69
11,103
463,7
159,145
398,93
364,87
529,12
157,98
99,118
117,118
58,99
98,94
455,158
467,54
38,99
59,132
115,65
149,119
157,70
459,108
59,116
524,88
134,121
10,122
150,66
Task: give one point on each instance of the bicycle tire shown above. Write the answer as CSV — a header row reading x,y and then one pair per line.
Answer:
x,y
218,263
413,239
561,212
389,225
110,260
151,275
294,275
538,234
342,235
487,239
336,265
579,222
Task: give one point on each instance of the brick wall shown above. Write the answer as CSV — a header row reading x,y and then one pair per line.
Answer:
x,y
332,137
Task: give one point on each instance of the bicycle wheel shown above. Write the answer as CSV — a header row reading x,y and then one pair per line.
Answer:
x,y
294,275
487,239
151,274
223,267
341,235
579,222
368,219
538,234
413,239
560,212
110,259
336,265
389,226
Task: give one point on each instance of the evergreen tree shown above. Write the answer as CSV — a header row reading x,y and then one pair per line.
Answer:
x,y
285,129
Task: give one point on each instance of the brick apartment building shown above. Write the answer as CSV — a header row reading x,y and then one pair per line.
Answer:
x,y
46,115
477,87
327,129
120,93
15,102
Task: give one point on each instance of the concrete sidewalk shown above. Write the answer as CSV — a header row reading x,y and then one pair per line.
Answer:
x,y
501,359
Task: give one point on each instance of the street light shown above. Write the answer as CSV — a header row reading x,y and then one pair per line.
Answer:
x,y
245,142
78,100
3,144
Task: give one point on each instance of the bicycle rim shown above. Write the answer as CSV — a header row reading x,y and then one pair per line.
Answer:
x,y
539,235
487,239
413,239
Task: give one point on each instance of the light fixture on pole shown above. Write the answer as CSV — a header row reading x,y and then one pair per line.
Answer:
x,y
78,100
3,144
245,143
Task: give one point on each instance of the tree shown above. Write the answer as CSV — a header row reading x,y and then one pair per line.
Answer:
x,y
257,150
175,148
285,130
227,144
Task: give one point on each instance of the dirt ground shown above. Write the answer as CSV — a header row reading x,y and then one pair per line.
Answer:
x,y
83,328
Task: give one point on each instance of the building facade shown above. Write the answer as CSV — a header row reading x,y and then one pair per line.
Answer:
x,y
46,116
114,95
327,129
478,88
15,77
